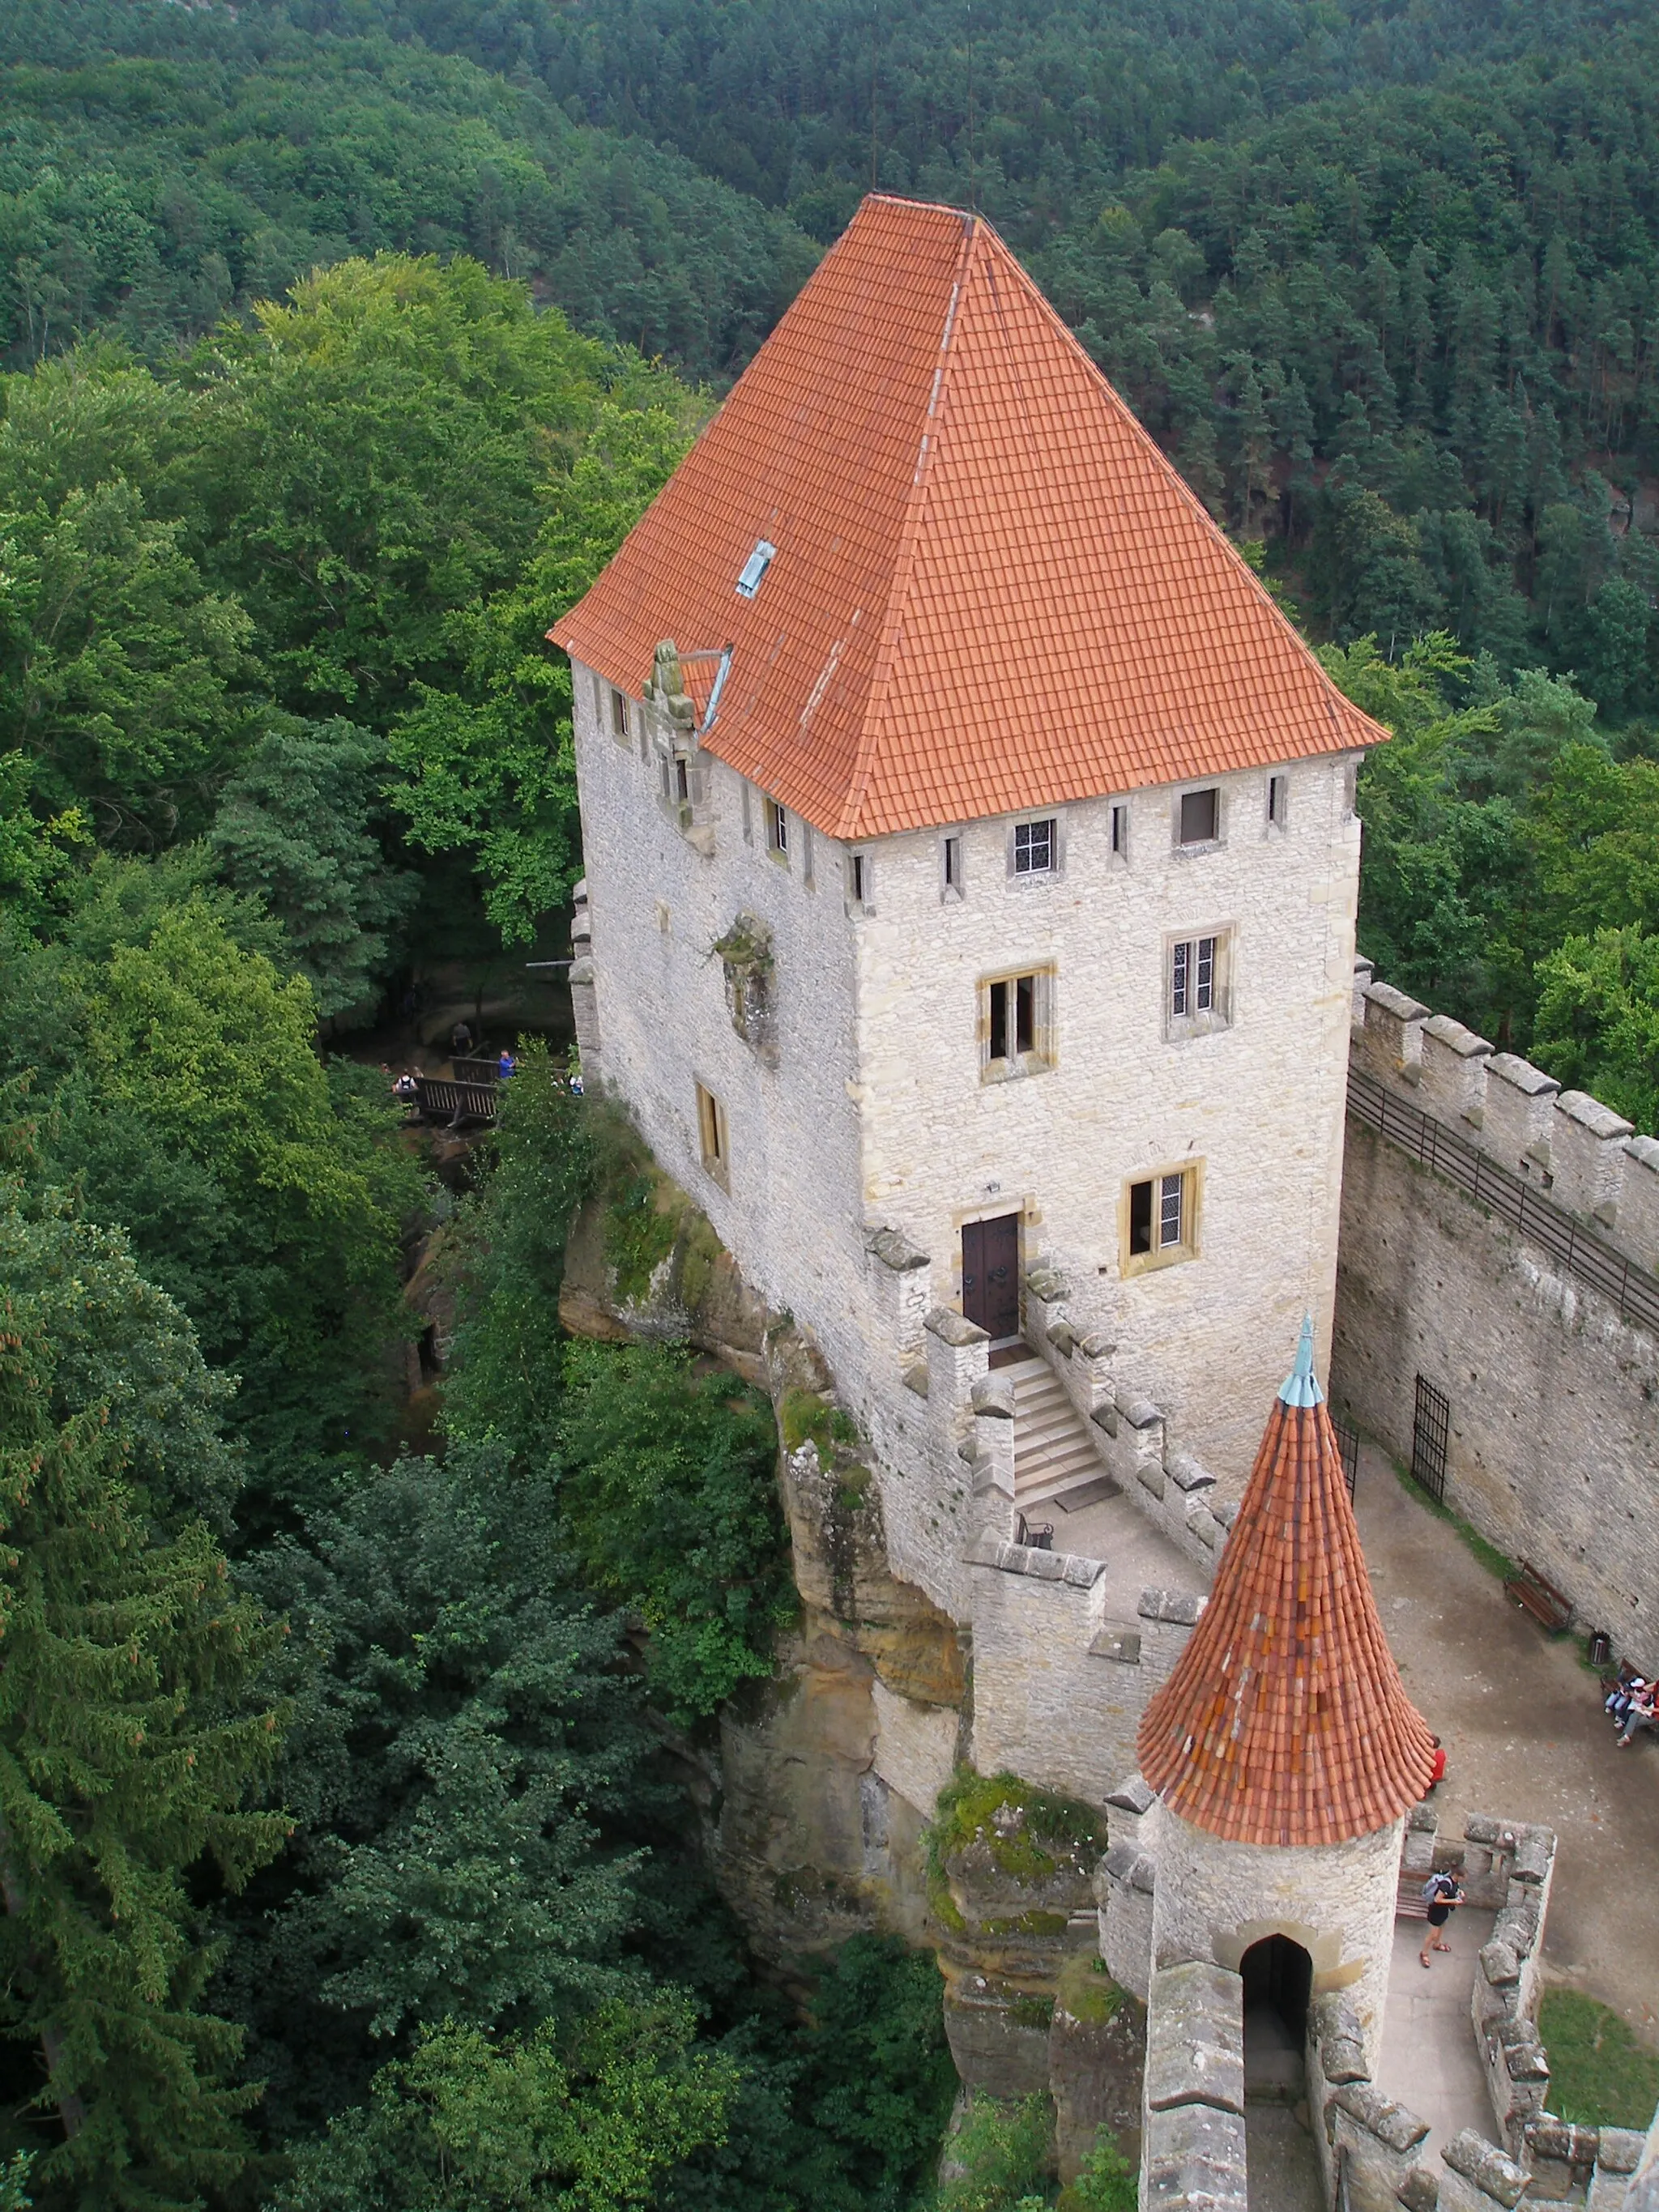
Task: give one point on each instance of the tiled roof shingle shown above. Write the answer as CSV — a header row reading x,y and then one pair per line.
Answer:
x,y
1285,1720
991,591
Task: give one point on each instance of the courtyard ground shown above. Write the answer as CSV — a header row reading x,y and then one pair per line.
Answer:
x,y
1526,1739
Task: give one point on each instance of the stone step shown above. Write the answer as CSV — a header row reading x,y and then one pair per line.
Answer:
x,y
1054,1451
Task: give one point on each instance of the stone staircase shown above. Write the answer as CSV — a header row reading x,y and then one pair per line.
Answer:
x,y
1052,1451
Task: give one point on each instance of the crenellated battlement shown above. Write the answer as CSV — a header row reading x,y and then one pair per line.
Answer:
x,y
1585,1161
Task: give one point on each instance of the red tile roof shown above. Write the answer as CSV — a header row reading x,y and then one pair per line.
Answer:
x,y
1285,1720
991,591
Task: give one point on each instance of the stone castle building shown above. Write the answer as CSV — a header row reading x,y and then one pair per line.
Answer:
x,y
977,869
969,928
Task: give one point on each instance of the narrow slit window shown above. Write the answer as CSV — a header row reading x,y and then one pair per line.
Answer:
x,y
1120,833
860,866
682,780
619,716
1200,817
953,866
712,1135
1034,847
1278,787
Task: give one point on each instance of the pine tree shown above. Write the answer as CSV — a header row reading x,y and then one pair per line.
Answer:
x,y
127,1742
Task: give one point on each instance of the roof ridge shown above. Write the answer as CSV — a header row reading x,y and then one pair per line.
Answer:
x,y
846,825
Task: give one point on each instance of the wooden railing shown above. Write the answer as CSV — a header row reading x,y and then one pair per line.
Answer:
x,y
1625,1283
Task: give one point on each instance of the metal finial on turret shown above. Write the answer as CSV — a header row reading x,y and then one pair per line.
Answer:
x,y
1299,1388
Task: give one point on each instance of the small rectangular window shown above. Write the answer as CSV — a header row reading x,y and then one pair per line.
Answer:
x,y
1159,1220
951,851
1120,833
1279,793
777,831
1017,1018
1200,817
619,716
1034,847
682,780
858,872
712,1136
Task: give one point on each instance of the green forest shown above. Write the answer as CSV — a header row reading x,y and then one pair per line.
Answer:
x,y
344,1838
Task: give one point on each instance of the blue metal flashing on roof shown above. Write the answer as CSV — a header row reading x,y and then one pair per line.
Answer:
x,y
1299,1388
748,580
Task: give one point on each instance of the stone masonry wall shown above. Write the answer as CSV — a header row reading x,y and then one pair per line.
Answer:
x,y
1213,1899
1208,1339
1060,1682
1554,1399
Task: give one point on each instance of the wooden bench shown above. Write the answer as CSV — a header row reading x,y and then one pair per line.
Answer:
x,y
438,1098
1409,1903
1534,1594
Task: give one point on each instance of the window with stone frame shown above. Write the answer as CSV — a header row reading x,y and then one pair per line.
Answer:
x,y
777,831
1198,982
1159,1217
1034,849
619,728
1197,820
1016,1024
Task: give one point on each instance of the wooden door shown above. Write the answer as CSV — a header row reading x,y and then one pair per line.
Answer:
x,y
990,1276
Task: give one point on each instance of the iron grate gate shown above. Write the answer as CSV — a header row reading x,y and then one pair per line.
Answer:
x,y
1347,1441
1430,1425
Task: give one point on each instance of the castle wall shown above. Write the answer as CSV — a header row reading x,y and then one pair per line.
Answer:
x,y
1258,1105
659,899
1553,1394
1213,1899
1065,1665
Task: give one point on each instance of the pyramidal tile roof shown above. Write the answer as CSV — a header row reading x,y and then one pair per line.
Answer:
x,y
988,590
1285,1720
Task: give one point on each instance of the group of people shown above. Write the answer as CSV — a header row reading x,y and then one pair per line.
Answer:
x,y
1634,1704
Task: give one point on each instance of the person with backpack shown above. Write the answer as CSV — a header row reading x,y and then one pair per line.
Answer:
x,y
1442,1894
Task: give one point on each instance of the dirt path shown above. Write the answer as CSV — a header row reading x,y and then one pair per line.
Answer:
x,y
1526,1739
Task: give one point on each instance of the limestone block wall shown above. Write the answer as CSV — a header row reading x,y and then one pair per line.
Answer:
x,y
1065,1663
661,891
1553,1396
1208,1339
1595,2166
1213,1899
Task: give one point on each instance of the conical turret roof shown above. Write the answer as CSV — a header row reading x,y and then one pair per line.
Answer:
x,y
1285,1720
943,572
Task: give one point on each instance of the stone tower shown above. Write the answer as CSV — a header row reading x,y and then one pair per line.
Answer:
x,y
1283,1752
971,881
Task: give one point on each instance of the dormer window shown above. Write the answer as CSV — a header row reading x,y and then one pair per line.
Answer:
x,y
748,578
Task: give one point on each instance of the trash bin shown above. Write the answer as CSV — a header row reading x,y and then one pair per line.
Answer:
x,y
1601,1648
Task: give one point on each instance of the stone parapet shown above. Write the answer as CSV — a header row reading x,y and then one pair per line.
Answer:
x,y
1586,1156
1193,2099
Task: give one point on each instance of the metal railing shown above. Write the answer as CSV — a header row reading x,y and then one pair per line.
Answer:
x,y
1625,1283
